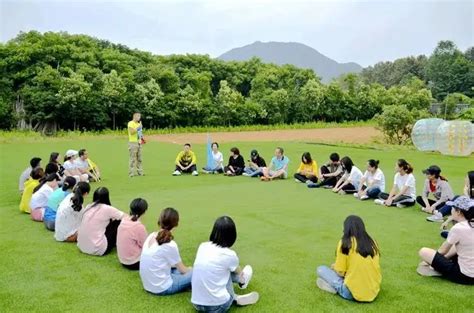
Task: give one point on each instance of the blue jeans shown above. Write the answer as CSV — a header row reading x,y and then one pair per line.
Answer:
x,y
253,172
446,209
181,282
335,281
234,278
373,192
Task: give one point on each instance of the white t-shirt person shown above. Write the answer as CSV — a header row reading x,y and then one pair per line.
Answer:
x,y
40,198
376,179
156,262
67,220
462,237
211,273
406,180
217,160
353,177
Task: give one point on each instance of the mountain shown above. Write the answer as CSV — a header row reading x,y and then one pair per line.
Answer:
x,y
293,53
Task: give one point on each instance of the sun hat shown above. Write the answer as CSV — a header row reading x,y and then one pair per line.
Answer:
x,y
70,153
462,203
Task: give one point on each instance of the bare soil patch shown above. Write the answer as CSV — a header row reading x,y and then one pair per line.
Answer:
x,y
359,135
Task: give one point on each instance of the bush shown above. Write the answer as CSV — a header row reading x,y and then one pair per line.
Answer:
x,y
396,123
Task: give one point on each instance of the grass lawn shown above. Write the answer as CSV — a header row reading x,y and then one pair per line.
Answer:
x,y
285,231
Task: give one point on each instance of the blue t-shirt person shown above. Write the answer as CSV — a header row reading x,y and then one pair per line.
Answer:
x,y
280,164
53,203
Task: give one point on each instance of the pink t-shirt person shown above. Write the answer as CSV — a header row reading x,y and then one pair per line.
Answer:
x,y
130,238
91,234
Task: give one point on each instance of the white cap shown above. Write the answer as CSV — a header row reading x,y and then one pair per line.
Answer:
x,y
70,153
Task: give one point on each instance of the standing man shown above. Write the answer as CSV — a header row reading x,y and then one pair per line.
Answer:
x,y
134,145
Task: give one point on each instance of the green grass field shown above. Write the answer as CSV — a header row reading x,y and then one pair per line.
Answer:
x,y
285,231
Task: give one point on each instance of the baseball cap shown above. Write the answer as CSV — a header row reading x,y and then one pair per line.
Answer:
x,y
462,203
254,153
432,170
70,153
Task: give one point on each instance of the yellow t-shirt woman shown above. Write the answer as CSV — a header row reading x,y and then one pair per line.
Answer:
x,y
30,185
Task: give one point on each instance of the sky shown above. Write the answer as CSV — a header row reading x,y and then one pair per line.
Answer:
x,y
365,32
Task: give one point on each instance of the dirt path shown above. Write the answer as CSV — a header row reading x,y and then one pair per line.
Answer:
x,y
331,135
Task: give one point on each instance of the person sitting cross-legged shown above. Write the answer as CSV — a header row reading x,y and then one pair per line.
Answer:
x,y
186,162
278,166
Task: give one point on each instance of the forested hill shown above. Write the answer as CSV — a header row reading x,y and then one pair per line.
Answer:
x,y
293,53
58,80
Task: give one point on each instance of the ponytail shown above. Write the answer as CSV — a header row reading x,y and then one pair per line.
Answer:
x,y
137,208
69,183
77,199
402,163
169,219
44,180
373,163
164,236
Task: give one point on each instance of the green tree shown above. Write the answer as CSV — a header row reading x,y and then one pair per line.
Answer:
x,y
151,96
72,95
448,71
112,92
396,123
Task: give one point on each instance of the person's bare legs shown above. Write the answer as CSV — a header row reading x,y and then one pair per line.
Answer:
x,y
427,255
266,172
277,174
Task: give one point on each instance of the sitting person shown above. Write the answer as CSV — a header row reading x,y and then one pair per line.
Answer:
x,y
454,260
349,182
83,164
278,167
97,234
372,183
217,162
216,269
54,200
40,196
26,174
70,167
54,158
131,235
161,269
468,191
403,192
29,186
330,173
356,273
236,163
307,171
255,165
69,214
438,186
186,162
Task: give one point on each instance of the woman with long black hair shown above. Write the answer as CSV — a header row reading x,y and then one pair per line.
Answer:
x,y
97,234
356,273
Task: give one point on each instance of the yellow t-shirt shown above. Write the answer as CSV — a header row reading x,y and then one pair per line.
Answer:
x,y
186,158
361,275
30,184
312,167
132,137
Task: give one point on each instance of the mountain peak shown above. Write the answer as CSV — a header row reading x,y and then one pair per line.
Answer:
x,y
295,53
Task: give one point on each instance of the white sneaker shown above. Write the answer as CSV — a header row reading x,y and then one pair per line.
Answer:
x,y
401,206
379,201
323,285
176,173
365,197
247,273
250,298
426,270
356,195
245,174
437,217
297,181
206,172
341,192
195,173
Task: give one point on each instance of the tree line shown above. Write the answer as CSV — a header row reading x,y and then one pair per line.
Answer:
x,y
56,81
